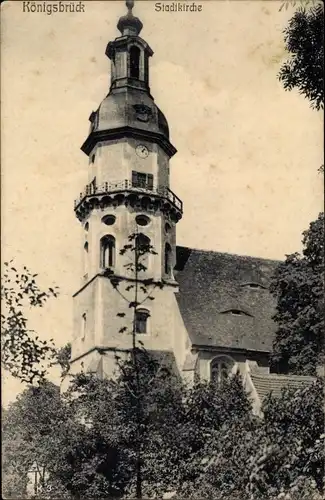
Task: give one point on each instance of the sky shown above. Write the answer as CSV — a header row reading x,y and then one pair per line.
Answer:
x,y
248,151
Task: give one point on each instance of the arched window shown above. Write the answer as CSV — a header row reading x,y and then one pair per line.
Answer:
x,y
83,326
142,245
86,257
168,259
142,242
146,68
141,320
220,370
107,251
134,62
113,59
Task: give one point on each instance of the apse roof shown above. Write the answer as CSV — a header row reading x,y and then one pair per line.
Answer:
x,y
224,299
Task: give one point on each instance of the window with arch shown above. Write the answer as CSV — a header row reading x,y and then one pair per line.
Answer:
x,y
143,250
113,59
142,242
220,370
86,257
134,62
92,187
168,259
107,251
146,68
83,325
141,320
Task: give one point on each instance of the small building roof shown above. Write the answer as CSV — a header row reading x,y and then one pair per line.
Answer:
x,y
266,383
224,299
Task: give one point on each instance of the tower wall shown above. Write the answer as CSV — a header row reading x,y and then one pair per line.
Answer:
x,y
125,225
102,304
127,194
115,160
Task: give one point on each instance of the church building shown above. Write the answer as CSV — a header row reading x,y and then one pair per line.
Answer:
x,y
213,314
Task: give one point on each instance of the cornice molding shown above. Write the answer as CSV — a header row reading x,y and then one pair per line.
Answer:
x,y
121,133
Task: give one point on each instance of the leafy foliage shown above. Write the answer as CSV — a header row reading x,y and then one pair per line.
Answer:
x,y
304,39
300,3
196,442
218,417
22,351
298,286
141,287
63,359
28,427
296,423
280,456
105,438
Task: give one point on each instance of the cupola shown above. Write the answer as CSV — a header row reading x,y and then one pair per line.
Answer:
x,y
129,54
129,109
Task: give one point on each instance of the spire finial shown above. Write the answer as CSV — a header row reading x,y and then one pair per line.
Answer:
x,y
129,25
129,4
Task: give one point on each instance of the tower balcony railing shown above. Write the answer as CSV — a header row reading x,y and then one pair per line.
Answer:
x,y
126,185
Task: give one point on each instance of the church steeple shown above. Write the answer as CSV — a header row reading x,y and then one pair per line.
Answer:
x,y
128,192
129,54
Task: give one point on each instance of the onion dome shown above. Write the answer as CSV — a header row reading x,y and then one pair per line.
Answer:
x,y
129,25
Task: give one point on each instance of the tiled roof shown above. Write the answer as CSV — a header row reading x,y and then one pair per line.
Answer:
x,y
266,383
211,285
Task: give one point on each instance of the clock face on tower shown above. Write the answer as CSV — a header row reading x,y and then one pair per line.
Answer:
x,y
142,151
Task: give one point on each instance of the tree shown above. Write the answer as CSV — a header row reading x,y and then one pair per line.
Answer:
x,y
294,423
279,456
87,459
298,286
197,442
29,425
63,359
94,450
138,249
22,351
304,40
135,291
93,447
218,418
298,282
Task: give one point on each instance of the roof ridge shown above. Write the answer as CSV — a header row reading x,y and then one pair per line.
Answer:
x,y
282,376
230,254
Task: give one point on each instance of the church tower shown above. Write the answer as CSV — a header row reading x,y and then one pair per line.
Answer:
x,y
128,192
